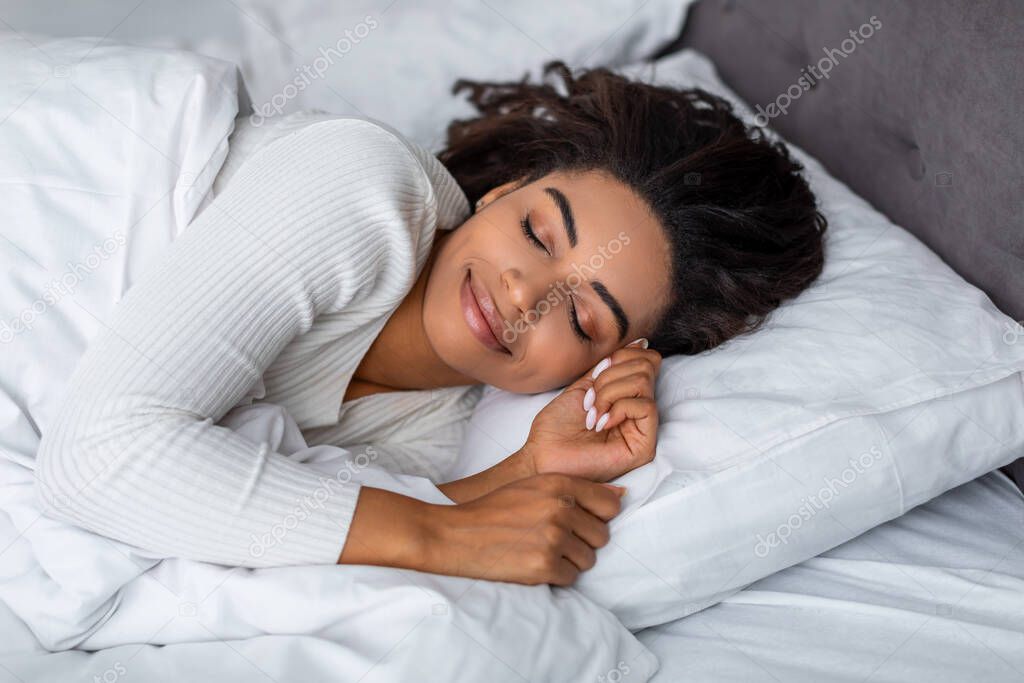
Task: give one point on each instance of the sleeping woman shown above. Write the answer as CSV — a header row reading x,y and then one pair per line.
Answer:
x,y
570,234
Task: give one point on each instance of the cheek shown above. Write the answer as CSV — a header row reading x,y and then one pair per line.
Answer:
x,y
480,235
557,363
442,313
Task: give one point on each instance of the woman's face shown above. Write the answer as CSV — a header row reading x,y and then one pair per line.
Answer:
x,y
545,280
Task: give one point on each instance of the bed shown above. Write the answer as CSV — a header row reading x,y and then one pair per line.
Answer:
x,y
937,594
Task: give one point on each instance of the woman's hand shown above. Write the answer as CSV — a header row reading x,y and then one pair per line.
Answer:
x,y
541,529
600,429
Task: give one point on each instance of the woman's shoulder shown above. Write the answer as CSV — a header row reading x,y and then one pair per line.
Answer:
x,y
347,139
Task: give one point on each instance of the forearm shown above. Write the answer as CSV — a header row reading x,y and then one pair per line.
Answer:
x,y
388,529
185,488
517,466
393,530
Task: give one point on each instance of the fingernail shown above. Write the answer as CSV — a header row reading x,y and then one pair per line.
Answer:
x,y
601,422
591,417
601,367
588,399
643,341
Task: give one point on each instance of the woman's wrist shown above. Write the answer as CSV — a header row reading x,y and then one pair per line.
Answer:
x,y
393,530
388,529
517,466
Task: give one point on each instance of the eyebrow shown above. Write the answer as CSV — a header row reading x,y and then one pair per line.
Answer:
x,y
569,223
620,315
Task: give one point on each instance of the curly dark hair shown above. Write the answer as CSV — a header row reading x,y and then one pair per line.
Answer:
x,y
742,222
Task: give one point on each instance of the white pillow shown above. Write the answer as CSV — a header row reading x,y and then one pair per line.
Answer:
x,y
886,383
394,61
108,152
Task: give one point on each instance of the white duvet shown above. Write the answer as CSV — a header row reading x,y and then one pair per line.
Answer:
x,y
106,154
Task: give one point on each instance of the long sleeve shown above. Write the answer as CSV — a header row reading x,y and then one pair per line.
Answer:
x,y
321,229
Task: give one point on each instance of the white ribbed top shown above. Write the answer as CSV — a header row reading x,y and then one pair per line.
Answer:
x,y
275,291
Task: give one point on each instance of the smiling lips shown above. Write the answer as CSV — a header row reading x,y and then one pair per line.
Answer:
x,y
481,316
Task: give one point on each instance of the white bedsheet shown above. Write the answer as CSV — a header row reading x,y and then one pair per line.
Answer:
x,y
935,595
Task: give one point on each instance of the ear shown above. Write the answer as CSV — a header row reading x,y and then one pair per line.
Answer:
x,y
496,192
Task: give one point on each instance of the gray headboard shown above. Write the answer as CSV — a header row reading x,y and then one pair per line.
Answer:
x,y
923,118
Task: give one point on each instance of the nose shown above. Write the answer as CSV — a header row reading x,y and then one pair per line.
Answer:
x,y
523,291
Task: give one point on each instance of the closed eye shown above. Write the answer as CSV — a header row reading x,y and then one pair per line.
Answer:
x,y
574,322
531,235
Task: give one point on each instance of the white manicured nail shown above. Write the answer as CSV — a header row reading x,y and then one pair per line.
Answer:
x,y
588,399
641,339
601,367
602,422
591,417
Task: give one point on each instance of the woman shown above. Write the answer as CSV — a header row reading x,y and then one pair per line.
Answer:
x,y
339,265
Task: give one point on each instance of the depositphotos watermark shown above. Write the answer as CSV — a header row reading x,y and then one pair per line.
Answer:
x,y
111,675
562,290
615,675
1014,332
58,288
307,73
810,506
809,76
314,501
